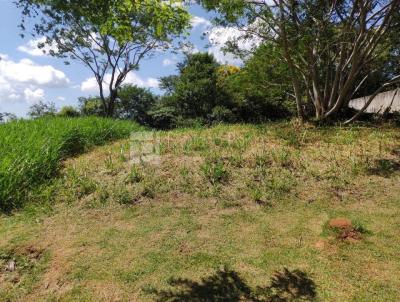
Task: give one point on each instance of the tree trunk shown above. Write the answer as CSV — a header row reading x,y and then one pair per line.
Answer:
x,y
111,103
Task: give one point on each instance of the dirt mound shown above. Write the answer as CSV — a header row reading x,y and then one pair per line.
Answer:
x,y
349,234
345,229
340,223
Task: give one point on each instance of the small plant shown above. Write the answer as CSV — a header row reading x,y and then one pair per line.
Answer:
x,y
104,195
283,157
214,171
277,183
262,160
81,184
123,196
236,160
148,191
256,194
291,136
219,142
196,143
121,156
108,162
135,175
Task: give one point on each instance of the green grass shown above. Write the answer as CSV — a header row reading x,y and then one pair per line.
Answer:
x,y
230,213
32,151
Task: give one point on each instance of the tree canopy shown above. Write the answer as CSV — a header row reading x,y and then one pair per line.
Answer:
x,y
110,37
328,46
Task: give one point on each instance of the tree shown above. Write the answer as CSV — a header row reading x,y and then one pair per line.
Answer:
x,y
6,116
261,89
42,109
328,46
194,91
134,103
68,111
110,37
90,106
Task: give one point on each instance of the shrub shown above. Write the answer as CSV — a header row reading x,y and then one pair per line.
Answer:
x,y
163,117
68,111
214,171
222,114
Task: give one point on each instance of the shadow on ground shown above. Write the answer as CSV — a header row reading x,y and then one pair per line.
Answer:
x,y
385,167
227,285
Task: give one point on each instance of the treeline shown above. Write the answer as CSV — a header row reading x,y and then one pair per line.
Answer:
x,y
205,92
202,93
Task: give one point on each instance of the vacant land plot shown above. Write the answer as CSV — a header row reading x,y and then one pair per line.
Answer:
x,y
232,213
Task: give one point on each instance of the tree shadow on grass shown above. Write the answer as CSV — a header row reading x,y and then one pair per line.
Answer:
x,y
227,285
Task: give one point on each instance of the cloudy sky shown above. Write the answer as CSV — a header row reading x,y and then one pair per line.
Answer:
x,y
28,76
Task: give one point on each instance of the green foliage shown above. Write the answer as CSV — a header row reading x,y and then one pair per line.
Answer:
x,y
194,93
33,150
260,90
91,106
214,171
109,37
134,103
68,111
42,109
208,92
324,76
163,116
222,114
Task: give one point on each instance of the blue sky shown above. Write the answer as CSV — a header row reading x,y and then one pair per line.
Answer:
x,y
27,76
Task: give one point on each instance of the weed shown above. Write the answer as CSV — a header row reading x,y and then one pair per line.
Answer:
x,y
263,160
214,171
219,142
81,185
292,136
283,157
195,144
148,191
135,175
123,196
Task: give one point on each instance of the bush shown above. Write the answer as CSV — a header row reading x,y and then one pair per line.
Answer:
x,y
214,171
221,114
68,111
163,117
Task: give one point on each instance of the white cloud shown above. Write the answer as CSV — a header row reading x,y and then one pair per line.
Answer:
x,y
28,72
90,84
61,98
33,96
219,36
18,80
3,56
197,21
32,48
168,62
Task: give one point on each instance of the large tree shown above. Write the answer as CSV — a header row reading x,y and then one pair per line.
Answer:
x,y
194,91
328,46
110,37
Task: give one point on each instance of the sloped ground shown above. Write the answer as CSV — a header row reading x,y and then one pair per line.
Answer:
x,y
231,213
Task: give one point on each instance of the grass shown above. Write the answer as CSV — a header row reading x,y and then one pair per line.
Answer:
x,y
230,213
32,151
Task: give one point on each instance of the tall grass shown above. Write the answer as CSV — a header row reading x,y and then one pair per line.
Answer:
x,y
31,150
